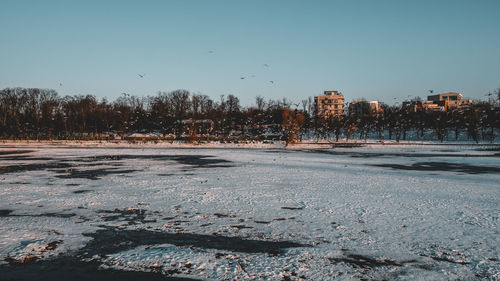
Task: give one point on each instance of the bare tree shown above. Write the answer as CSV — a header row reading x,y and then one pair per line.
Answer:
x,y
305,105
260,103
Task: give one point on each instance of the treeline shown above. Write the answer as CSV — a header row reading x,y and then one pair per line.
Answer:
x,y
31,113
478,122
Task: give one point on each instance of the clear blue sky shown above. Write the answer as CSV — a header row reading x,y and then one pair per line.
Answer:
x,y
378,50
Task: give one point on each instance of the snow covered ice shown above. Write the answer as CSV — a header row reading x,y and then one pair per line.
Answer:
x,y
393,212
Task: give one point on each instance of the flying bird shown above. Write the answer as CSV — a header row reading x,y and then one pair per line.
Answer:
x,y
141,76
266,65
431,91
272,82
242,78
60,84
211,52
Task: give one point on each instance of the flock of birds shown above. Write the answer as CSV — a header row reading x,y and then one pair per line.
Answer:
x,y
241,78
210,52
252,76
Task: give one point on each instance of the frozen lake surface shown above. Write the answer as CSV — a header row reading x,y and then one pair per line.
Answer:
x,y
394,212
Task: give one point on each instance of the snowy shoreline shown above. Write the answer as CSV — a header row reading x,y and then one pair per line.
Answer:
x,y
308,144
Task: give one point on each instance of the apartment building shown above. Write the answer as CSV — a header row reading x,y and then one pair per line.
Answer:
x,y
363,108
441,102
331,103
449,100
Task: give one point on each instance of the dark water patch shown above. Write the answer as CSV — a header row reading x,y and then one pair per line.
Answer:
x,y
169,218
279,151
131,215
241,226
489,149
166,175
198,161
284,219
446,150
359,154
10,152
82,191
111,240
219,215
5,212
181,174
98,164
25,158
178,222
292,208
92,174
56,215
442,166
445,259
338,145
363,261
69,268
201,161
100,158
87,162
73,184
347,145
193,161
82,219
18,168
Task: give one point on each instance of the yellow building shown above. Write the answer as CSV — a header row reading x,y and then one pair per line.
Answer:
x,y
331,103
441,102
449,100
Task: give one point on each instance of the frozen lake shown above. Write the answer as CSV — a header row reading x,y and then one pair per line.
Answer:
x,y
405,212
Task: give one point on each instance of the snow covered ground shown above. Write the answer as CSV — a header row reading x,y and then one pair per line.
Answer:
x,y
393,212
